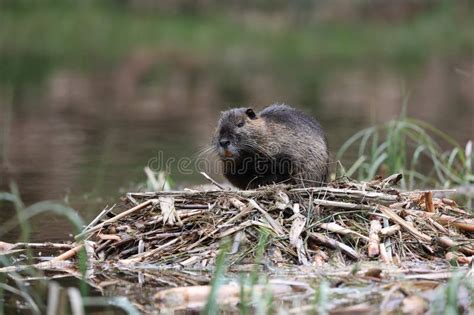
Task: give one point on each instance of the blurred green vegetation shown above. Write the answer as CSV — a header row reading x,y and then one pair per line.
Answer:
x,y
39,36
411,147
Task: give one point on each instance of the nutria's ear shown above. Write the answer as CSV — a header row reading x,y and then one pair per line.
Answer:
x,y
251,113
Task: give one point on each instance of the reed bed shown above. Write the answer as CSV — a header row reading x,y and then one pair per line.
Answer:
x,y
342,222
297,245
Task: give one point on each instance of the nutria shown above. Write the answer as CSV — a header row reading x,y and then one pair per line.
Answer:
x,y
277,145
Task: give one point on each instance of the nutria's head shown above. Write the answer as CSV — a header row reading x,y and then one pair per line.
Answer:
x,y
236,133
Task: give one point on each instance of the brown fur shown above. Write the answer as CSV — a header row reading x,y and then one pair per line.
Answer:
x,y
290,143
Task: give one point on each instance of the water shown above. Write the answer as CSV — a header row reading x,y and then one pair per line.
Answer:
x,y
72,139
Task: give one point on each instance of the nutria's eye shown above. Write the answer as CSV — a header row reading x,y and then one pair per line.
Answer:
x,y
240,124
250,113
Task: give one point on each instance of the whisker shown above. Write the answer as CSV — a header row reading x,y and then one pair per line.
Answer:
x,y
204,151
257,148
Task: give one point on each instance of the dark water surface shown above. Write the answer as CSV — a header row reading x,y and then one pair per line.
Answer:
x,y
88,155
86,148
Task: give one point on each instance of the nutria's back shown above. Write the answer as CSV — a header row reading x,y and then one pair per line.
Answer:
x,y
279,144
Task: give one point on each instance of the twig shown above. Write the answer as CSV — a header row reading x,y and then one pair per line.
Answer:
x,y
333,244
117,217
374,239
151,177
212,181
448,243
138,257
340,204
383,254
395,217
463,224
348,193
336,228
276,227
390,230
69,254
429,201
46,245
97,218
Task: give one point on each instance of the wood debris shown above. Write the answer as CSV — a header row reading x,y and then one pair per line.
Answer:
x,y
306,225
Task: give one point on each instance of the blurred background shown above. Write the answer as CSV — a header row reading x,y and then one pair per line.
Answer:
x,y
90,91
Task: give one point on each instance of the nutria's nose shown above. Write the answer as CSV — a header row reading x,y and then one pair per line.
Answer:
x,y
224,142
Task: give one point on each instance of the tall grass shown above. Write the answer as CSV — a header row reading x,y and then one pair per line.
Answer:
x,y
33,294
321,298
250,301
22,221
454,297
412,147
212,306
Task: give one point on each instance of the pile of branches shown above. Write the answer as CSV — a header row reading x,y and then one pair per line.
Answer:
x,y
344,221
